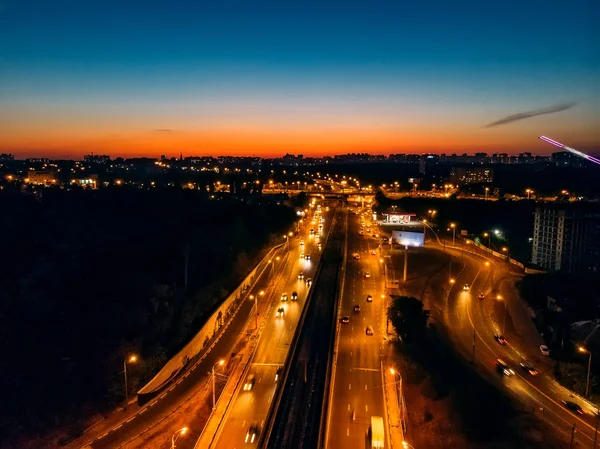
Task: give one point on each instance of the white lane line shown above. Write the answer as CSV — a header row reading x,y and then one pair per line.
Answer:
x,y
365,386
116,427
347,431
349,386
348,407
244,423
366,408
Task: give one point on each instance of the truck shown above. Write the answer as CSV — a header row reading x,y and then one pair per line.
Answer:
x,y
377,436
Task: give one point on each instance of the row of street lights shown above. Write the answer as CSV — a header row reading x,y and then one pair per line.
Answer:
x,y
405,444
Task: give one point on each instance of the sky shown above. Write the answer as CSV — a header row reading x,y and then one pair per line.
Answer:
x,y
267,77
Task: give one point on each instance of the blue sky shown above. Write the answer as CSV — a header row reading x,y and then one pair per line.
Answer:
x,y
240,65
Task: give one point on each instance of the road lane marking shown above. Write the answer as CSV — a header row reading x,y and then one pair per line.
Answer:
x,y
347,431
365,386
366,408
349,386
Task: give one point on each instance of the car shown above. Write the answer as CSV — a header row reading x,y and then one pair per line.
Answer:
x,y
369,230
250,381
481,296
544,350
466,287
369,298
367,275
373,253
503,368
500,339
301,242
357,256
528,367
356,308
284,297
573,406
301,255
319,246
252,433
369,330
307,257
308,282
280,312
312,230
301,276
278,374
376,235
345,319
361,233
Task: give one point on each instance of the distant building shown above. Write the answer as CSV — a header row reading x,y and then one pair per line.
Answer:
x,y
40,177
566,238
96,159
471,175
37,160
90,182
5,157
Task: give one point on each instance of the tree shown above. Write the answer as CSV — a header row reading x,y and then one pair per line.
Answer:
x,y
408,317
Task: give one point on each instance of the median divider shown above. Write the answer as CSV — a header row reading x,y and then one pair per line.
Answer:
x,y
270,420
332,361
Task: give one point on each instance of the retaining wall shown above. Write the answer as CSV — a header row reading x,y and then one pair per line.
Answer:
x,y
209,331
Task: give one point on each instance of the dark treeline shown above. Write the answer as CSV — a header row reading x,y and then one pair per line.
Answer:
x,y
87,277
513,218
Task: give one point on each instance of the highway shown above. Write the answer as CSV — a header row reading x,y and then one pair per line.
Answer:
x,y
358,382
251,407
467,316
298,419
196,378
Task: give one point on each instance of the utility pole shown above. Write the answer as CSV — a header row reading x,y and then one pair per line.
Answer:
x,y
596,430
572,436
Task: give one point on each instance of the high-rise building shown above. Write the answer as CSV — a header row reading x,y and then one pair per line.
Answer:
x,y
566,237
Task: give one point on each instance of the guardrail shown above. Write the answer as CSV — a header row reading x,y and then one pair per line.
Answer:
x,y
270,420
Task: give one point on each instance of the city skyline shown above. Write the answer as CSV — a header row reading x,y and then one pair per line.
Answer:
x,y
269,79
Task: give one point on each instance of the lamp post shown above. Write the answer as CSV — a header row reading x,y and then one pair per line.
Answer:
x,y
130,359
253,297
453,226
499,298
400,401
489,236
487,189
529,192
219,363
405,445
178,434
587,383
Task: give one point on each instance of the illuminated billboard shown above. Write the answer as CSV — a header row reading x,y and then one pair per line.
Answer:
x,y
406,238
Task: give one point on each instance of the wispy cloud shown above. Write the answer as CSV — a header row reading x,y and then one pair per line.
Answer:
x,y
163,131
525,115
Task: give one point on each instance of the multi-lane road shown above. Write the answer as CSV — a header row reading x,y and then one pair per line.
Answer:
x,y
251,407
358,383
471,319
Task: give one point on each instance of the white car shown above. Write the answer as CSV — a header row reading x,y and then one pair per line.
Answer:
x,y
367,275
544,350
301,242
250,380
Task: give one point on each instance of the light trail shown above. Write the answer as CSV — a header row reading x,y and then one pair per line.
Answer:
x,y
571,150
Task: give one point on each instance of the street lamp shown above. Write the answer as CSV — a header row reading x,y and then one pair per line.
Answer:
x,y
405,445
489,236
219,363
587,384
400,395
487,189
453,226
178,434
130,359
499,298
529,192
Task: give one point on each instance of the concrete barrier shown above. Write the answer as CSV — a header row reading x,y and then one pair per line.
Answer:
x,y
209,331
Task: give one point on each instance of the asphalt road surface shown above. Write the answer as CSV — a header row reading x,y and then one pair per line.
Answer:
x,y
195,378
358,383
470,319
251,407
298,421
